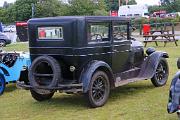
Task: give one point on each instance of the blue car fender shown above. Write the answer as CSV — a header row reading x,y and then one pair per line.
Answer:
x,y
89,70
174,94
150,64
2,83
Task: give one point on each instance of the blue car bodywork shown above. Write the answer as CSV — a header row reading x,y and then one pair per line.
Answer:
x,y
12,73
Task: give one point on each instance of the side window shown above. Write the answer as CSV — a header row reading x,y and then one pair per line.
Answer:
x,y
119,31
50,33
98,32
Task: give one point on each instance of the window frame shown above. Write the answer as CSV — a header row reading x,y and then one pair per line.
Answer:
x,y
114,23
53,39
96,23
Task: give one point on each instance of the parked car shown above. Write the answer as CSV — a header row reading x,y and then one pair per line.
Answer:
x,y
4,40
13,67
88,55
174,93
10,28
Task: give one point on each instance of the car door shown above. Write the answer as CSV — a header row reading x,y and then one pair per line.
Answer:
x,y
98,42
121,46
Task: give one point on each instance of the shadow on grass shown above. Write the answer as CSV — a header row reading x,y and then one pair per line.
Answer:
x,y
129,90
10,87
65,101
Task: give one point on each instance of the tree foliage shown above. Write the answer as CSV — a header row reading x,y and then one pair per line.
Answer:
x,y
87,7
132,2
21,10
168,5
114,4
50,8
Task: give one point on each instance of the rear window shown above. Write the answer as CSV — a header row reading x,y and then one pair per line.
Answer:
x,y
50,33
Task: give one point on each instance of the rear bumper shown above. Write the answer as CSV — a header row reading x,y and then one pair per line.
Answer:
x,y
74,88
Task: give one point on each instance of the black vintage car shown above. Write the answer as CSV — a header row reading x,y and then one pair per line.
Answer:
x,y
89,55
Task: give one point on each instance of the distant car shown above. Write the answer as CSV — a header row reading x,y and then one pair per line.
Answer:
x,y
10,28
4,40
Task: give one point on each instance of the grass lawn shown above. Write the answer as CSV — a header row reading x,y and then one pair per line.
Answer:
x,y
136,101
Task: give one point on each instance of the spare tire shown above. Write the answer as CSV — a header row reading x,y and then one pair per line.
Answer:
x,y
45,72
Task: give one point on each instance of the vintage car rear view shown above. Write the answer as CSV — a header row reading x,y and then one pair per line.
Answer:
x,y
88,55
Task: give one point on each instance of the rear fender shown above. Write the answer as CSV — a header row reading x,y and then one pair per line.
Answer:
x,y
150,64
89,70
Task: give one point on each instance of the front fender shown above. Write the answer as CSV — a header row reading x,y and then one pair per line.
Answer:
x,y
150,64
89,70
174,94
2,76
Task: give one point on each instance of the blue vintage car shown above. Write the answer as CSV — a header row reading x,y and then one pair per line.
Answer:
x,y
174,93
13,67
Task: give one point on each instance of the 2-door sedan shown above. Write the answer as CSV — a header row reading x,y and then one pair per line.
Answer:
x,y
89,55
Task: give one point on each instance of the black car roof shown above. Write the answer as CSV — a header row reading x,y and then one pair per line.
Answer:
x,y
73,18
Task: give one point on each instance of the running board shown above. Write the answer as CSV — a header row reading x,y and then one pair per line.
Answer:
x,y
120,82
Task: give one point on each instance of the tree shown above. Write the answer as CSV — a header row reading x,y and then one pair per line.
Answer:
x,y
87,7
114,4
79,7
175,6
155,8
2,14
57,8
20,11
132,2
165,2
168,5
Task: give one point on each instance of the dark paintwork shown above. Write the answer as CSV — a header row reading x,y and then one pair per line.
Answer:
x,y
74,49
174,92
122,61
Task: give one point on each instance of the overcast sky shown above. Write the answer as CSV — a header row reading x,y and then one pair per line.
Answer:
x,y
149,2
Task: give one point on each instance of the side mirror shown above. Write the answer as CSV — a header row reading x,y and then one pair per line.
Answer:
x,y
178,63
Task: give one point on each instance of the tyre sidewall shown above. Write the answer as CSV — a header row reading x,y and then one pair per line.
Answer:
x,y
41,97
50,61
154,80
92,102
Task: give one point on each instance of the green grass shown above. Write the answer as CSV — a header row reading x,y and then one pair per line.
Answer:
x,y
136,101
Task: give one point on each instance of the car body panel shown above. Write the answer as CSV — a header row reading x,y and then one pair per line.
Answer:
x,y
4,38
10,28
89,70
174,94
13,73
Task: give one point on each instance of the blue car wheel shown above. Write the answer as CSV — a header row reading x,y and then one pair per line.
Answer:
x,y
2,85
